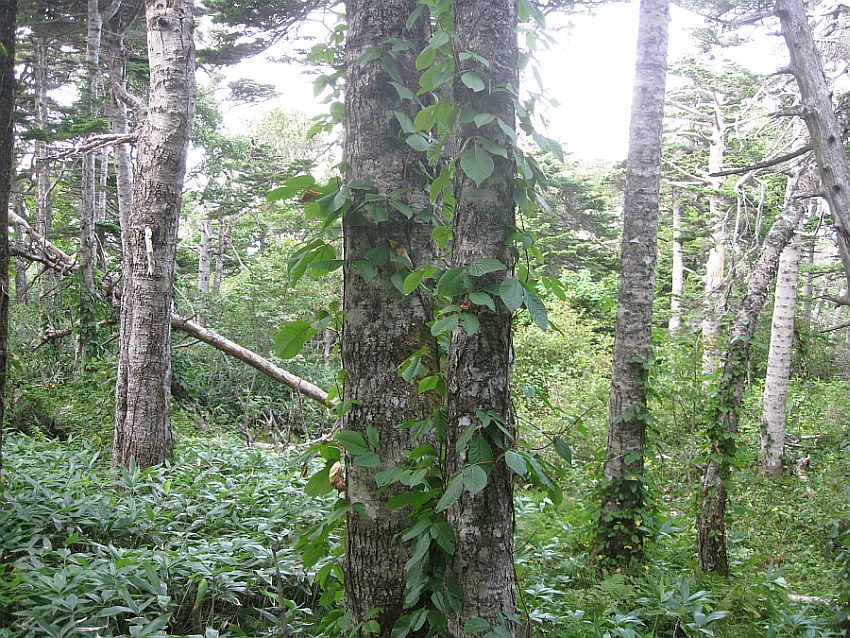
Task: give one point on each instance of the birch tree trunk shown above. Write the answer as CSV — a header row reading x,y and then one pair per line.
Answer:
x,y
8,23
478,371
775,400
225,227
619,538
381,327
142,411
205,252
678,269
723,423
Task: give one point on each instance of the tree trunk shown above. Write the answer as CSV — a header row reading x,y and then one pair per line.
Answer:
x,y
478,370
8,23
678,269
808,289
819,115
43,204
723,423
205,252
21,264
715,268
225,227
619,536
775,400
381,327
142,411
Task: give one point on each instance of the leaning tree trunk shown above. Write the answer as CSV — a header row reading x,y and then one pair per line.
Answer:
x,y
142,411
478,370
775,400
8,23
723,422
818,112
678,268
620,538
381,327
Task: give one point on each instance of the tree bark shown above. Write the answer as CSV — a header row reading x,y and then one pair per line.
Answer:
x,y
21,263
205,252
381,327
809,289
43,203
8,23
478,369
775,400
619,536
142,413
225,228
678,269
723,423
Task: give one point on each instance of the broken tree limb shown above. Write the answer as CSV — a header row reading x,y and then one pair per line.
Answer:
x,y
225,345
46,253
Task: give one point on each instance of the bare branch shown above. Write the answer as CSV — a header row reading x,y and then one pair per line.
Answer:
x,y
765,164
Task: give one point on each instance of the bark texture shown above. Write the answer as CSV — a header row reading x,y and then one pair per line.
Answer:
x,y
818,113
479,366
8,22
678,269
43,200
619,538
142,411
381,327
775,401
711,509
205,250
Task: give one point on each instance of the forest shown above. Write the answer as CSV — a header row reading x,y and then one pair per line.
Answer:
x,y
412,367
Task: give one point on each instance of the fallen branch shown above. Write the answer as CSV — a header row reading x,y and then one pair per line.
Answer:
x,y
57,259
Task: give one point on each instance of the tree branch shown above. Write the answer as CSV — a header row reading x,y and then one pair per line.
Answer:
x,y
765,164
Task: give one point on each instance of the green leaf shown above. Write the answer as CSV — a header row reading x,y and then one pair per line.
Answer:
x,y
367,459
470,323
477,163
473,81
412,281
442,235
454,489
484,266
418,142
366,270
451,283
291,187
476,626
424,120
201,593
390,475
512,294
474,478
404,121
482,299
446,324
444,534
374,437
537,309
515,461
479,450
292,337
563,449
353,442
319,484
426,58
403,92
482,119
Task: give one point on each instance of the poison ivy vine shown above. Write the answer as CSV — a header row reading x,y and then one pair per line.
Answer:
x,y
421,483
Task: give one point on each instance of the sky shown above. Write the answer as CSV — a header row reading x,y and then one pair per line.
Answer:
x,y
588,72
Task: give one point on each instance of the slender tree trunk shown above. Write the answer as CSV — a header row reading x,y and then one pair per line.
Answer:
x,y
715,269
43,204
142,411
381,327
723,423
205,252
8,23
775,401
21,264
225,227
478,371
678,271
808,288
619,536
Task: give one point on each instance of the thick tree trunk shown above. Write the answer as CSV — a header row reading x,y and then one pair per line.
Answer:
x,y
619,537
678,269
723,423
43,203
775,400
381,327
478,370
142,412
8,23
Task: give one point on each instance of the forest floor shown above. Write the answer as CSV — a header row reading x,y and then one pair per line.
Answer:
x,y
190,548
